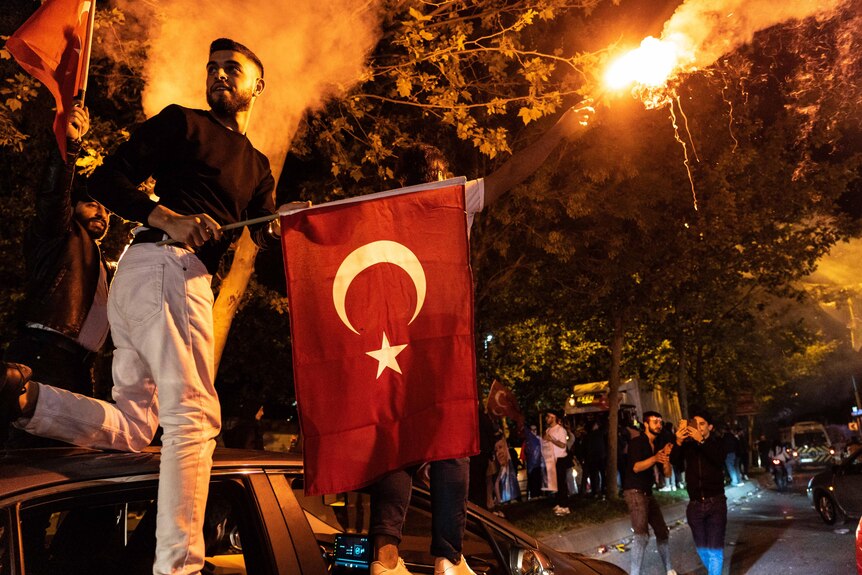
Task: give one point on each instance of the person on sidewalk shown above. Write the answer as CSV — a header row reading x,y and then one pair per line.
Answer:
x,y
531,453
638,479
596,458
731,448
556,435
702,453
207,174
390,496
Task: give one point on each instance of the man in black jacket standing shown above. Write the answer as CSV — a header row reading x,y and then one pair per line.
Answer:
x,y
65,313
704,457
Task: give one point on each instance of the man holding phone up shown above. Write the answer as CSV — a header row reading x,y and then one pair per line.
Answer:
x,y
703,456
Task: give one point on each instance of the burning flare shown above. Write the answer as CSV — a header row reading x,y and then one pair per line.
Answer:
x,y
651,65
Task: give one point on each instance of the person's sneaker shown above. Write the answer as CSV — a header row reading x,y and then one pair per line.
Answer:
x,y
443,566
378,568
15,377
740,484
671,572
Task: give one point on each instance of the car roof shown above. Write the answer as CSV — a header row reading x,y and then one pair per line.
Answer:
x,y
28,469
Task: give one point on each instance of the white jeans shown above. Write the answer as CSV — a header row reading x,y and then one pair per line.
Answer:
x,y
160,311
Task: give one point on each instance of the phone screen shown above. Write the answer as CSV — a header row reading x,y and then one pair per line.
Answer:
x,y
352,551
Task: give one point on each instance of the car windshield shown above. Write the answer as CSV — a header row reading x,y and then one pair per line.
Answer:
x,y
810,438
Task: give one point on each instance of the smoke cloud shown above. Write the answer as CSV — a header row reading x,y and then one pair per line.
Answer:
x,y
310,49
705,30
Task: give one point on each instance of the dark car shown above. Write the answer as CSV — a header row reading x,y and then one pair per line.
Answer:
x,y
80,511
836,493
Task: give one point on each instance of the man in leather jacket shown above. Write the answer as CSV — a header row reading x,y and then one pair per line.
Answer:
x,y
64,319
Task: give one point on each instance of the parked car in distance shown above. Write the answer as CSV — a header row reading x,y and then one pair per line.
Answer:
x,y
836,493
70,511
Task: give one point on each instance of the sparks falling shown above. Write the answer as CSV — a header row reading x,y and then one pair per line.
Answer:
x,y
648,70
698,34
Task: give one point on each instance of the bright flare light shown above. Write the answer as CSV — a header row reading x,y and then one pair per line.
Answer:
x,y
650,65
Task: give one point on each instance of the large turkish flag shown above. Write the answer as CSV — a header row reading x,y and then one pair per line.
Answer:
x,y
49,46
381,314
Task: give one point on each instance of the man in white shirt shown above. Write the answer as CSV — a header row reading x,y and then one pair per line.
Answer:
x,y
556,435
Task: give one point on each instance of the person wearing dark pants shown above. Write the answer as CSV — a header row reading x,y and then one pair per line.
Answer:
x,y
419,164
703,456
638,479
390,498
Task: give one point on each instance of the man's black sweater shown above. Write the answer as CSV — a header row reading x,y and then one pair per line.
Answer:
x,y
199,165
704,466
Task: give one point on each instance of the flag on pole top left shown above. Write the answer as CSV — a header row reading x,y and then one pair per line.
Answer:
x,y
53,47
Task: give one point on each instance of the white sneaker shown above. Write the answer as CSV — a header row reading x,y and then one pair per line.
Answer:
x,y
443,566
378,568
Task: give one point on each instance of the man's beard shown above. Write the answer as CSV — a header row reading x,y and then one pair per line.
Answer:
x,y
95,234
231,103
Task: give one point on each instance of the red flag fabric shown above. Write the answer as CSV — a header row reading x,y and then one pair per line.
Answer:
x,y
381,315
49,47
502,402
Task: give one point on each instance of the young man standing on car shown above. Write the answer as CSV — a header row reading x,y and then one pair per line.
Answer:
x,y
208,174
638,479
703,456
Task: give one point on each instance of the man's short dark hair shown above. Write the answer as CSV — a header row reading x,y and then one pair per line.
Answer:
x,y
700,412
648,414
418,164
234,46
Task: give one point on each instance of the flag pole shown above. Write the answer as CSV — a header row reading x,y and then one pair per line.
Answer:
x,y
87,48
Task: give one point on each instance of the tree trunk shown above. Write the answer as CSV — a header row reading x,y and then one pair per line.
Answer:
x,y
700,384
682,380
231,291
274,144
614,408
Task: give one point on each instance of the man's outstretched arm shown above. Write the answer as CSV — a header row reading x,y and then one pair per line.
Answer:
x,y
523,163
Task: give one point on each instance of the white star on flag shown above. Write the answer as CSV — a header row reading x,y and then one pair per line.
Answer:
x,y
386,355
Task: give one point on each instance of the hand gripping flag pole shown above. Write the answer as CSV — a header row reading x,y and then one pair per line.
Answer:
x,y
54,46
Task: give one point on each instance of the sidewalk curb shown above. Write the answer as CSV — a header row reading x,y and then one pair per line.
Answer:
x,y
589,539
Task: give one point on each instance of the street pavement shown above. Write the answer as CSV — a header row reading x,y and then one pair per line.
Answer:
x,y
768,532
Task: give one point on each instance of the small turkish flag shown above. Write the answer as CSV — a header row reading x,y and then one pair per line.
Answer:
x,y
502,402
381,315
49,46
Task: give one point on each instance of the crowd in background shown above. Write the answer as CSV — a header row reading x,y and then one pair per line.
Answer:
x,y
581,471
